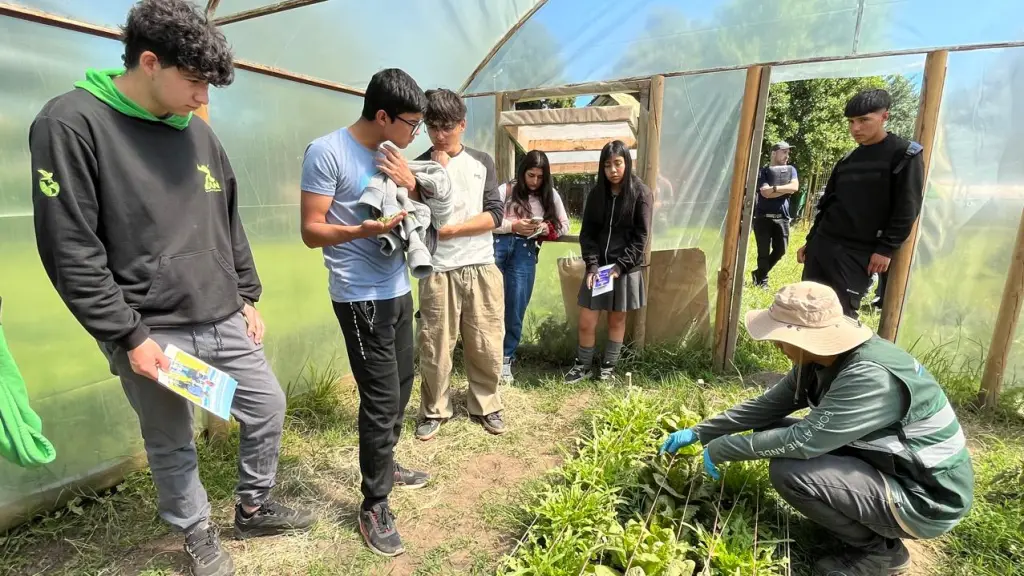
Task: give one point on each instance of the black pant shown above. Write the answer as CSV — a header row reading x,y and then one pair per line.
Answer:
x,y
772,236
842,268
378,337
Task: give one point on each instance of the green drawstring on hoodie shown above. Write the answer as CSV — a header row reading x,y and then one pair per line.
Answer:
x,y
100,83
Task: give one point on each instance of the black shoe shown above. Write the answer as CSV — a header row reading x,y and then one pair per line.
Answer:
x,y
606,373
202,544
854,563
578,373
427,428
271,519
899,556
409,479
377,525
492,422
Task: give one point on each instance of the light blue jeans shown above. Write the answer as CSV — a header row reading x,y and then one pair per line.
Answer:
x,y
516,257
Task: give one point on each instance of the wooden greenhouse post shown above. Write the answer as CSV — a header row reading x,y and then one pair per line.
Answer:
x,y
1006,325
504,147
924,134
746,217
651,166
727,271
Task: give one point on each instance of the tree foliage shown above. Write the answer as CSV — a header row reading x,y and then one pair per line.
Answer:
x,y
808,114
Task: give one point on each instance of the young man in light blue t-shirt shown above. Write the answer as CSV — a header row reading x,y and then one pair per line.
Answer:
x,y
370,291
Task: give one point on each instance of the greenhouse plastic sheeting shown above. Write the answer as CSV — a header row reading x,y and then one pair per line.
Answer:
x,y
626,39
480,121
105,12
698,141
972,207
265,125
83,409
911,66
438,42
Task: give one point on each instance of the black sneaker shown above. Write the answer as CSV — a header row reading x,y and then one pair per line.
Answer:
x,y
271,519
853,563
606,373
427,428
377,525
578,373
409,479
899,556
202,544
492,422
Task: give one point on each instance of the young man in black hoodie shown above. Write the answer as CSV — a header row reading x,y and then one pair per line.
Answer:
x,y
869,206
137,226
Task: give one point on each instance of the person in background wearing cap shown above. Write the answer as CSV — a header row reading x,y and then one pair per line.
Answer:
x,y
775,184
869,206
879,457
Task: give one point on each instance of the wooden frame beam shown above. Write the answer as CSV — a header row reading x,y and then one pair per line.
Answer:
x,y
39,17
262,11
1006,326
576,144
554,91
651,168
501,42
296,77
504,147
575,168
746,218
582,89
925,129
211,8
727,271
559,116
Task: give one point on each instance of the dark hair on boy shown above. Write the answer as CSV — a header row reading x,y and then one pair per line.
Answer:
x,y
445,109
868,101
177,32
395,92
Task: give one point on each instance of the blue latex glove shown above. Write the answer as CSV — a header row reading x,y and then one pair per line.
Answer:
x,y
709,466
679,439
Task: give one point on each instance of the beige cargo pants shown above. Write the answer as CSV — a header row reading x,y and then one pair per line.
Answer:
x,y
469,301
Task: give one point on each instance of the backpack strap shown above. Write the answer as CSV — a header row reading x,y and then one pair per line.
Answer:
x,y
913,149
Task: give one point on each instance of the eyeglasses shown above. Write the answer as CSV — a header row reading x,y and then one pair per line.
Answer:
x,y
416,126
443,128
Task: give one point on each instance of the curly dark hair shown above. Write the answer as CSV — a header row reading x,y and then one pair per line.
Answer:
x,y
178,32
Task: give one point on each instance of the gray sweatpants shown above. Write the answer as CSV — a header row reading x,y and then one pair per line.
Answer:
x,y
166,418
843,494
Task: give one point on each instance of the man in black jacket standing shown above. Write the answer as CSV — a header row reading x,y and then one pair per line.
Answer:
x,y
870,203
137,226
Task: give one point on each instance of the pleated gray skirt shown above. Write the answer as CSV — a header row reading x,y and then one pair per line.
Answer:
x,y
629,293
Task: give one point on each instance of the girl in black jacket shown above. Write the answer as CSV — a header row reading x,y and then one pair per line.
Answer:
x,y
616,225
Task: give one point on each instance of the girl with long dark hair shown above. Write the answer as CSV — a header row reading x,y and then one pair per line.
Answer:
x,y
533,213
616,225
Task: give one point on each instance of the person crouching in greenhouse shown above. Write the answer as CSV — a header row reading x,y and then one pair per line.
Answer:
x,y
880,456
616,225
533,213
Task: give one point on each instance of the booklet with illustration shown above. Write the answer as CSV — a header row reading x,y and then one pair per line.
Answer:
x,y
198,382
603,282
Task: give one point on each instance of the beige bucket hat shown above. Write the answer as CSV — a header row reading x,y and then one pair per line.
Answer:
x,y
808,315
